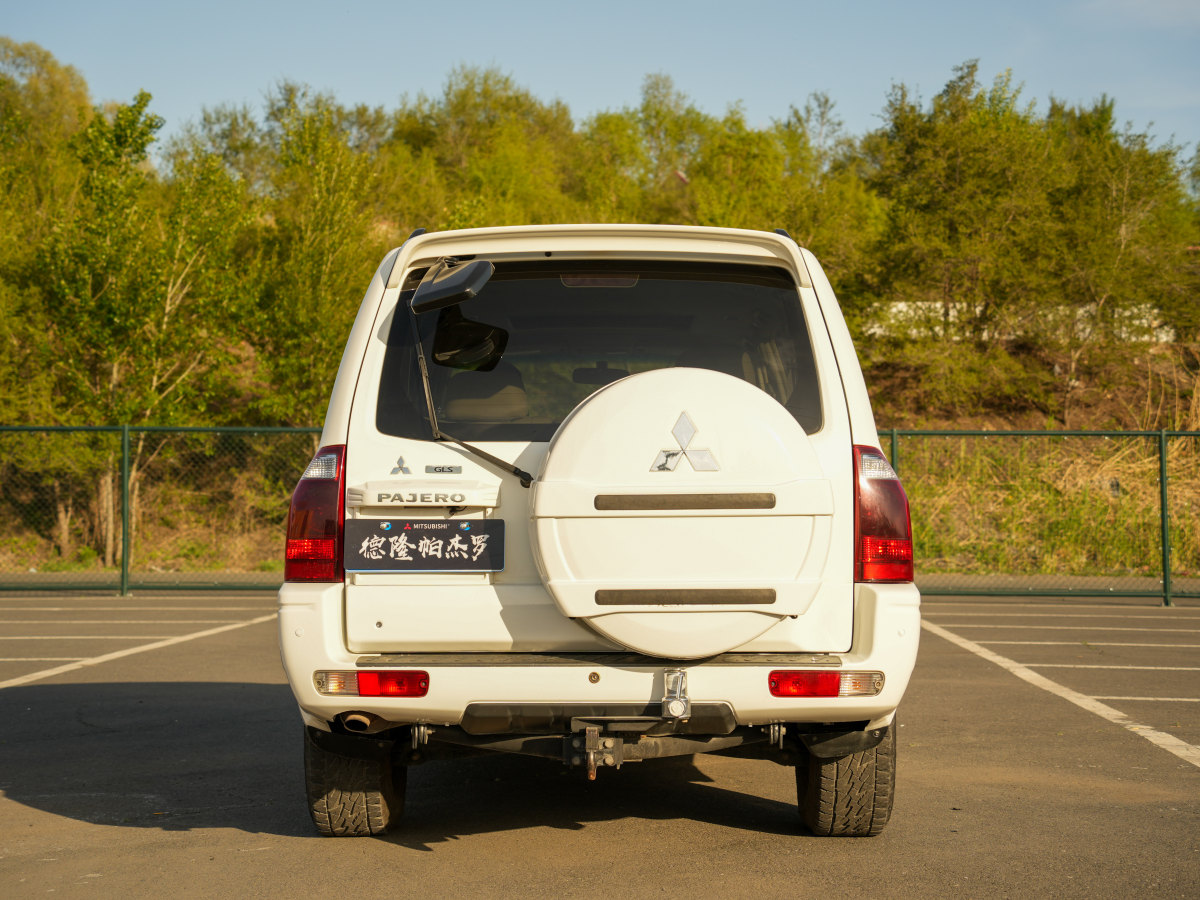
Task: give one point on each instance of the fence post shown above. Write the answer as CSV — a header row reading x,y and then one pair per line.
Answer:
x,y
895,453
124,510
1164,516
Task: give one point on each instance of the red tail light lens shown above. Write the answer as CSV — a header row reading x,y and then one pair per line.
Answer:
x,y
315,520
808,683
883,550
393,684
804,684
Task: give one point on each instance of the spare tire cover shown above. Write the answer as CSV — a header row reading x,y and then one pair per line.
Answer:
x,y
681,513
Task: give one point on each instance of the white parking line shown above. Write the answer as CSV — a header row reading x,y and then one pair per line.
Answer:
x,y
107,657
1000,615
81,637
114,621
936,604
1154,699
1069,628
136,608
1185,751
1139,668
40,658
1090,644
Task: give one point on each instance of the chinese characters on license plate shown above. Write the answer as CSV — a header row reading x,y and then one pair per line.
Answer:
x,y
424,545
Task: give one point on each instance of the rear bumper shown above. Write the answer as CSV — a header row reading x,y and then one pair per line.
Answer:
x,y
886,634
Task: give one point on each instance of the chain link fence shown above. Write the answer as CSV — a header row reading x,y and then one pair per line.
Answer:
x,y
1053,513
122,509
1034,512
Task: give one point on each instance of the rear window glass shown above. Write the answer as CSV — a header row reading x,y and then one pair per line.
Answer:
x,y
568,328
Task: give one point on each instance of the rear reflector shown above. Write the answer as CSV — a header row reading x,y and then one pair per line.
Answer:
x,y
315,520
824,684
393,684
373,683
883,550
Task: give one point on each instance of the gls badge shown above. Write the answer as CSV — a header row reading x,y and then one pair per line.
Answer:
x,y
443,470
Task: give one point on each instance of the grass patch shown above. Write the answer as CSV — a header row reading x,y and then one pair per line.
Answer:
x,y
1046,506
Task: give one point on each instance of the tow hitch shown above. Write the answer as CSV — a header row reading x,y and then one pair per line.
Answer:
x,y
594,751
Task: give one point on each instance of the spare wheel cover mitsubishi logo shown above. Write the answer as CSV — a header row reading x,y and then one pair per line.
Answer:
x,y
684,432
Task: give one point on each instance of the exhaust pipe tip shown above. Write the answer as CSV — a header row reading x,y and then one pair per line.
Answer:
x,y
361,723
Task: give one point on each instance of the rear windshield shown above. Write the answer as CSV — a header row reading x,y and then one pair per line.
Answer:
x,y
566,329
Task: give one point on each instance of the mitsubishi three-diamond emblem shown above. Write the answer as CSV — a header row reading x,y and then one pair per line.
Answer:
x,y
701,460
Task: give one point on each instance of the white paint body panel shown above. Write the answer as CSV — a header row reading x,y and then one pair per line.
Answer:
x,y
803,549
610,446
887,625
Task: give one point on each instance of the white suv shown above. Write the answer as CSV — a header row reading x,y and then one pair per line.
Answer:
x,y
602,494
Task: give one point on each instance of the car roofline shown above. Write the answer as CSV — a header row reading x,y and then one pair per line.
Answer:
x,y
603,241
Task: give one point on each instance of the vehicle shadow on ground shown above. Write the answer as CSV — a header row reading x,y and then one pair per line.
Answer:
x,y
175,756
194,755
507,793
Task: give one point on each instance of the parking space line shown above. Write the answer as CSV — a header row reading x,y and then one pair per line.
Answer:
x,y
1089,666
1000,615
143,648
1154,699
114,621
138,608
81,637
935,604
1090,644
1185,751
41,658
1069,628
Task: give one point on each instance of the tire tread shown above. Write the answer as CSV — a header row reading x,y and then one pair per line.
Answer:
x,y
350,797
850,796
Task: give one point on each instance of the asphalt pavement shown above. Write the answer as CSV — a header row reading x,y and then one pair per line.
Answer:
x,y
149,746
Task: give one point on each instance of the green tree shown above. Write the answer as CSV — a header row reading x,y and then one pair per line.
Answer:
x,y
827,205
504,157
136,290
966,184
235,136
1126,223
1125,271
611,157
960,275
672,132
736,179
318,250
43,104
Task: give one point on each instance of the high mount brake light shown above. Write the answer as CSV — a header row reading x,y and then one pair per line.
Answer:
x,y
315,519
883,550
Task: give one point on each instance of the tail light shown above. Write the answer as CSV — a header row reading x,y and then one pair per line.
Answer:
x,y
883,549
393,684
373,683
315,520
809,683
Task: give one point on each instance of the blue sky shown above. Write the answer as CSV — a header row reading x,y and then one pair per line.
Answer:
x,y
765,54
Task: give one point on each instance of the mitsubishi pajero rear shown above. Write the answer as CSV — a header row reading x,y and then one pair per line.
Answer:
x,y
599,494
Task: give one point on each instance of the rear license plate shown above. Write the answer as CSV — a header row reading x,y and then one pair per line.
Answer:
x,y
424,545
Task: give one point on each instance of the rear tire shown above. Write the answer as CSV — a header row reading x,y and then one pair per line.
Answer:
x,y
352,797
850,796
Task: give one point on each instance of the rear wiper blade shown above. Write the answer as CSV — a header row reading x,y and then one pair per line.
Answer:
x,y
439,435
525,477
